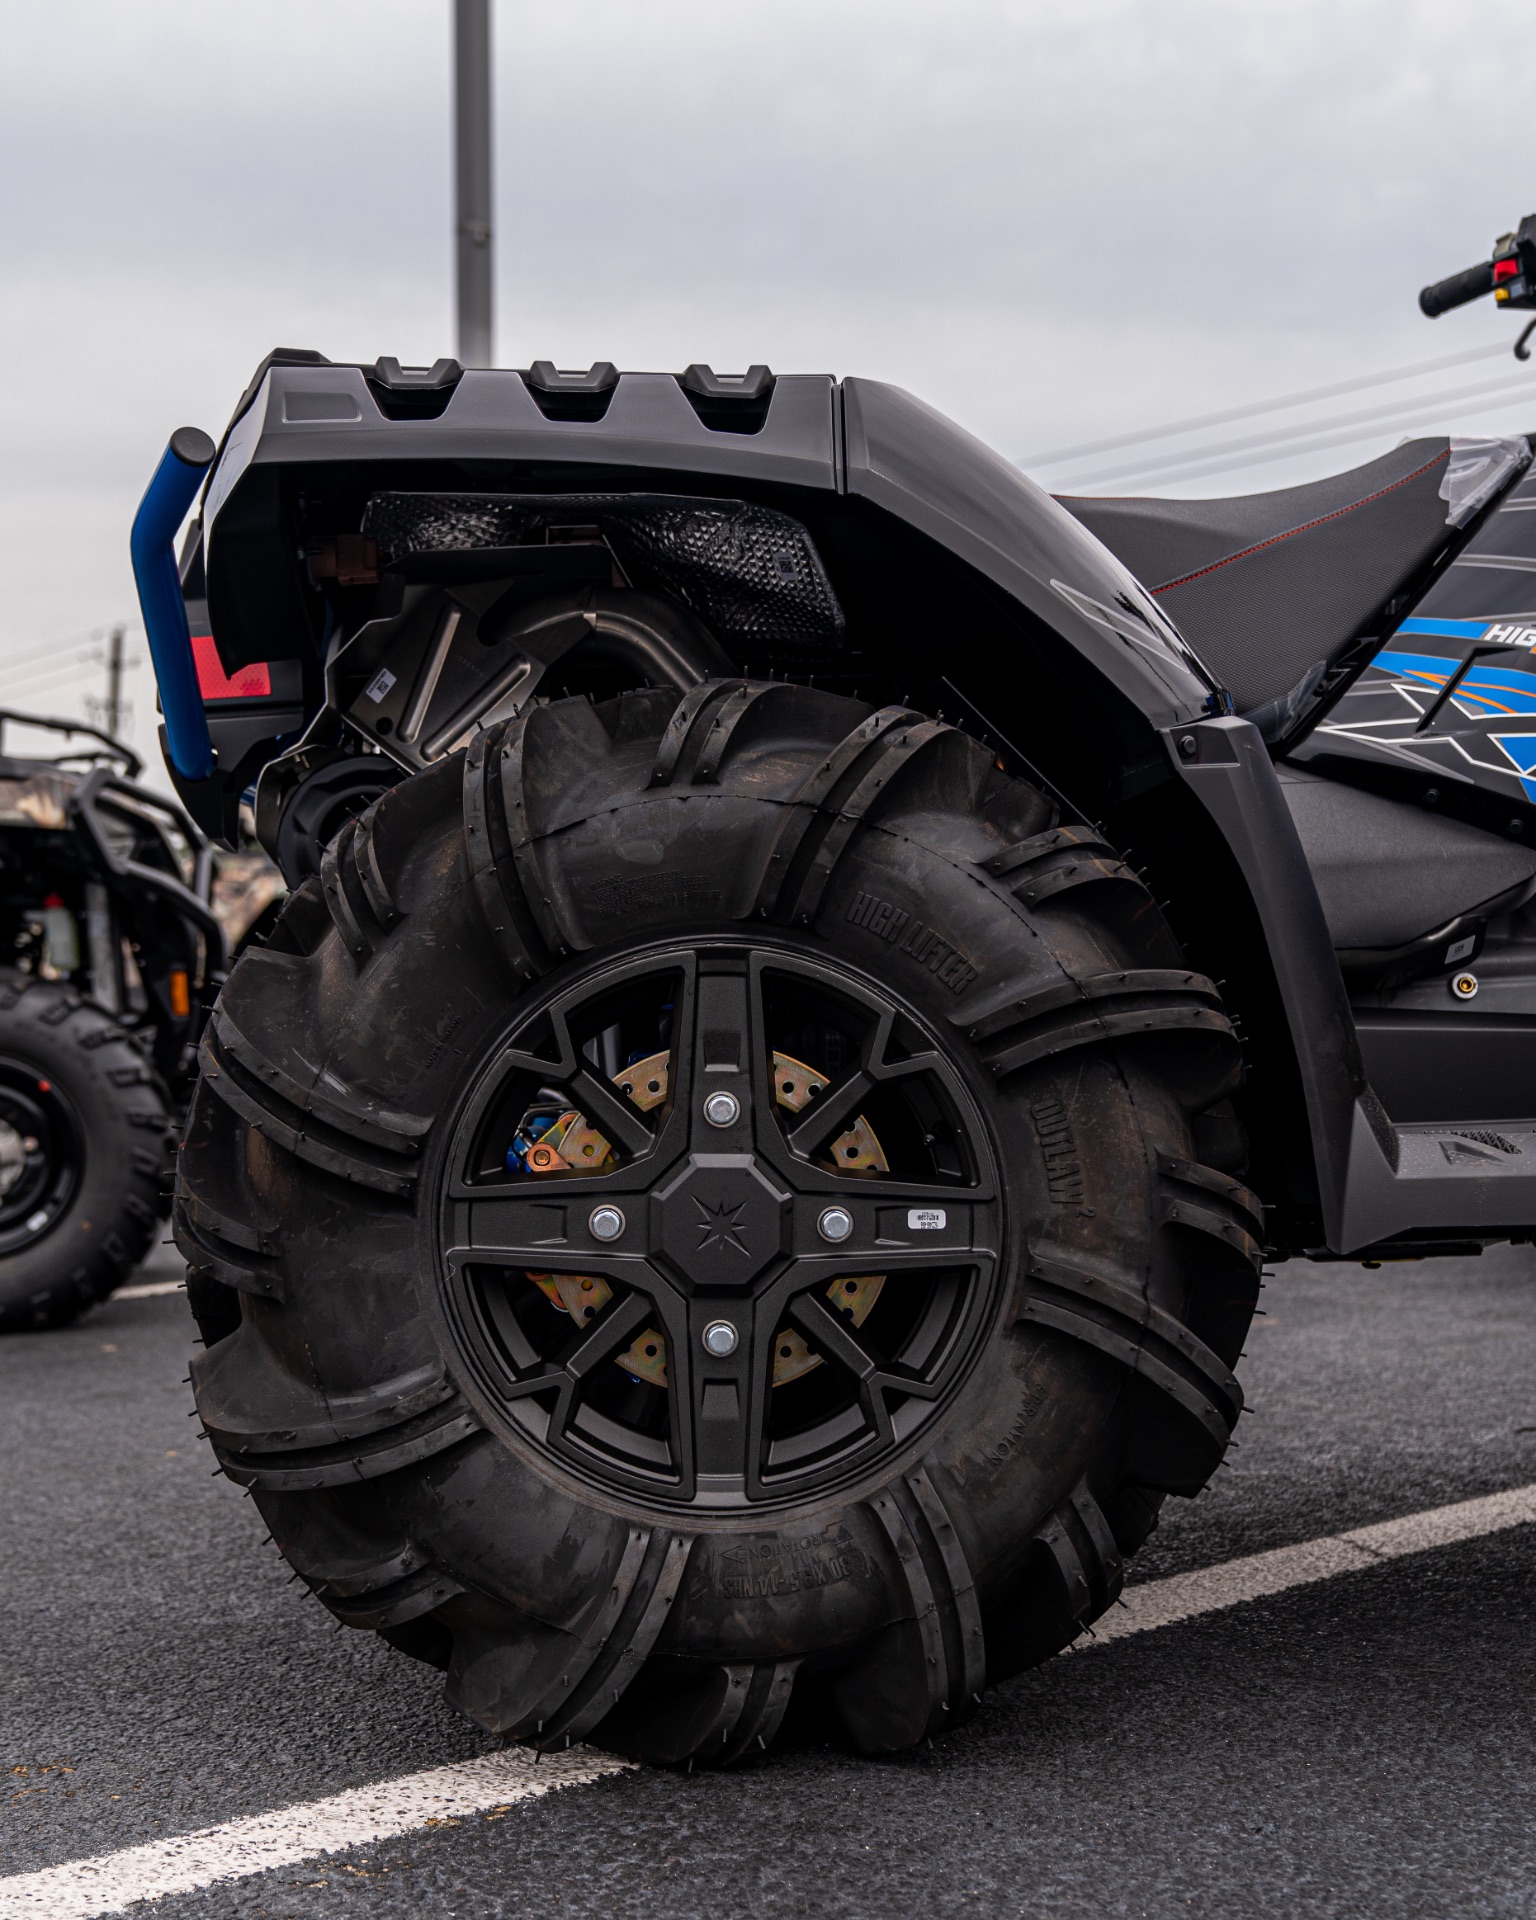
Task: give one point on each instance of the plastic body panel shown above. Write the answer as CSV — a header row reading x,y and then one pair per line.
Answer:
x,y
321,414
1231,773
1377,1181
902,456
911,461
1387,872
1448,1066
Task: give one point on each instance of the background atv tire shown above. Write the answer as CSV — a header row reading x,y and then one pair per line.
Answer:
x,y
85,1153
593,1534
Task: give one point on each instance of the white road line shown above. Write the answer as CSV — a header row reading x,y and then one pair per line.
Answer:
x,y
88,1889
149,1290
1185,1596
85,1889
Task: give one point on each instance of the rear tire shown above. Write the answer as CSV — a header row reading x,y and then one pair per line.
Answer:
x,y
754,873
85,1153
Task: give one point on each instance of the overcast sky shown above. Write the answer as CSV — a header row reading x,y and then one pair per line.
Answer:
x,y
1057,221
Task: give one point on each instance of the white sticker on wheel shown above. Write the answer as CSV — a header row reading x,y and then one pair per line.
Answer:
x,y
926,1219
379,685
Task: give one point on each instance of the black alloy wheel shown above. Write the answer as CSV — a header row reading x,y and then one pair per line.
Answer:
x,y
776,1265
40,1155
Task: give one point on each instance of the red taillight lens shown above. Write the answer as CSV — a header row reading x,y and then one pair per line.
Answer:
x,y
245,683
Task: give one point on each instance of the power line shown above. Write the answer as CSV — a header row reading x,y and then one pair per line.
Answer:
x,y
1395,410
1229,414
46,650
47,682
80,658
84,636
1350,438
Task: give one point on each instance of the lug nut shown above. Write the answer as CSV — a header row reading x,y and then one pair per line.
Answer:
x,y
721,1110
836,1223
720,1338
605,1223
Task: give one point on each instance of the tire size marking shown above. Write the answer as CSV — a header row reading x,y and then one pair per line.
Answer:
x,y
765,1569
929,949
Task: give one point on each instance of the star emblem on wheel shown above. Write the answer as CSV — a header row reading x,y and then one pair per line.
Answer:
x,y
719,1226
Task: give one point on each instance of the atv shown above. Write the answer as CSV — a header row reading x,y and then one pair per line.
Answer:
x,y
112,951
816,975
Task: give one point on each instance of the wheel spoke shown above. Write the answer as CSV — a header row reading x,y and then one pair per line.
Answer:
x,y
727,1391
547,1379
716,1081
606,1334
553,1227
901,1380
829,1336
817,1274
888,1190
608,1110
835,1108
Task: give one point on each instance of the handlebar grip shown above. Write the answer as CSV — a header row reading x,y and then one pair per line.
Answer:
x,y
1457,290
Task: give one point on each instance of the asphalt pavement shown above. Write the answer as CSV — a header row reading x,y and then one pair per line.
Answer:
x,y
1366,1745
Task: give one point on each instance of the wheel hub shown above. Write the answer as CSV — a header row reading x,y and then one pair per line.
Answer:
x,y
720,1222
39,1156
774,1265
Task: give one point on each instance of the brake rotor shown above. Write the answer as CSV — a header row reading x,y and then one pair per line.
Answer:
x,y
646,1360
858,1150
582,1295
645,1081
795,1085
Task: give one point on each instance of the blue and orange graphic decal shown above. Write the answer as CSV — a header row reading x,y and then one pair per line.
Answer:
x,y
1487,689
1520,750
1472,630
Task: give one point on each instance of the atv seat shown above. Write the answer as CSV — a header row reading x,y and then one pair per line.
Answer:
x,y
1268,586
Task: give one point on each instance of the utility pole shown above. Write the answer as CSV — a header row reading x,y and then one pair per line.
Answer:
x,y
472,179
115,682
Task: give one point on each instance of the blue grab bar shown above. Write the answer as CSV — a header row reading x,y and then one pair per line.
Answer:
x,y
161,512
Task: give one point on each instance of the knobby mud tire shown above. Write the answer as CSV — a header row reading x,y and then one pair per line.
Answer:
x,y
108,1098
333,1386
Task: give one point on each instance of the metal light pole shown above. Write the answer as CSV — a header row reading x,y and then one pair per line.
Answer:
x,y
472,156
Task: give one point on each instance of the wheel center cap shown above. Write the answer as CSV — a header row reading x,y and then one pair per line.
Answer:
x,y
720,1221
